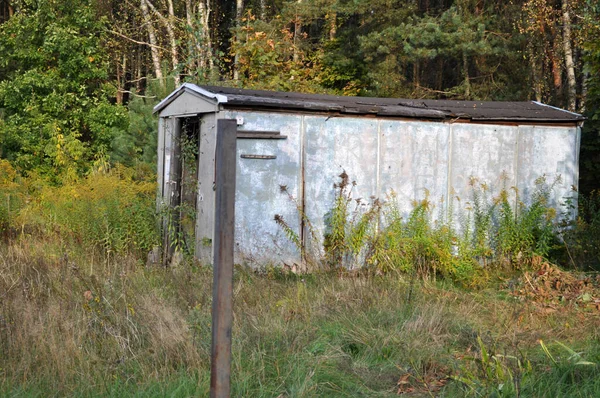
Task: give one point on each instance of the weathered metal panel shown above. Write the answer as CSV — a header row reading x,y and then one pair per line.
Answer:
x,y
551,152
334,145
414,162
188,104
259,240
487,153
205,209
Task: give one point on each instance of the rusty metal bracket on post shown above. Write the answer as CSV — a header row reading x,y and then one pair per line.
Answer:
x,y
223,245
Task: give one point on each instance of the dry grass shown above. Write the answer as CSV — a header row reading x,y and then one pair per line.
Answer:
x,y
77,322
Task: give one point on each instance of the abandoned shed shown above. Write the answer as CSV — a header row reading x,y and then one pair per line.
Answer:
x,y
304,141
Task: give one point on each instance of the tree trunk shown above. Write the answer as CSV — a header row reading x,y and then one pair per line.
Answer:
x,y
535,75
192,67
416,79
440,74
297,30
152,39
139,64
465,61
263,10
584,86
556,71
207,58
168,24
571,83
239,10
174,50
121,79
332,25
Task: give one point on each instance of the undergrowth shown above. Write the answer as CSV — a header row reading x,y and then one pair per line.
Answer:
x,y
112,209
463,244
582,235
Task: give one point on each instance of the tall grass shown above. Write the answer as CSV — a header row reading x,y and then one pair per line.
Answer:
x,y
81,320
11,195
76,323
112,209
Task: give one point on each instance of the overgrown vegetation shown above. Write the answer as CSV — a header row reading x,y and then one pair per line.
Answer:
x,y
467,303
467,245
112,209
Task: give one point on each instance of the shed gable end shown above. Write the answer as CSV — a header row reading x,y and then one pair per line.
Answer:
x,y
189,103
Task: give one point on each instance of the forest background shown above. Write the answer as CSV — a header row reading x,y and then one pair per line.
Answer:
x,y
78,78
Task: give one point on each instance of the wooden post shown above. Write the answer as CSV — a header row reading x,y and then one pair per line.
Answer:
x,y
223,244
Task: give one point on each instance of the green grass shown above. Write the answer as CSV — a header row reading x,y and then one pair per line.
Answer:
x,y
145,332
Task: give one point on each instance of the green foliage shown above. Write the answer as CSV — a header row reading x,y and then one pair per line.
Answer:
x,y
271,57
11,195
138,143
399,50
56,114
526,230
494,374
582,236
590,135
112,210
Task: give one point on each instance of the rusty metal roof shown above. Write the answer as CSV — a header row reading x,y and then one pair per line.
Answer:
x,y
488,111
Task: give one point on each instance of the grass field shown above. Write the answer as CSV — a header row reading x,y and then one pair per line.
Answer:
x,y
79,322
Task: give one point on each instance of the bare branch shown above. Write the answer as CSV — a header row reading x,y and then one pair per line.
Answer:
x,y
135,41
136,94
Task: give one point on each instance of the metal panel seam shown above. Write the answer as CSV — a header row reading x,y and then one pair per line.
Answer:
x,y
378,181
302,186
516,165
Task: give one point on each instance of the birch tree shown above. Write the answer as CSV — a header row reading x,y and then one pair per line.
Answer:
x,y
156,61
568,48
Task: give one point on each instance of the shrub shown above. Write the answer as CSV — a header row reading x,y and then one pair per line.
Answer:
x,y
528,229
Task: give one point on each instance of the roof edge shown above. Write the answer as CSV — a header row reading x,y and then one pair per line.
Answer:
x,y
220,98
580,116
